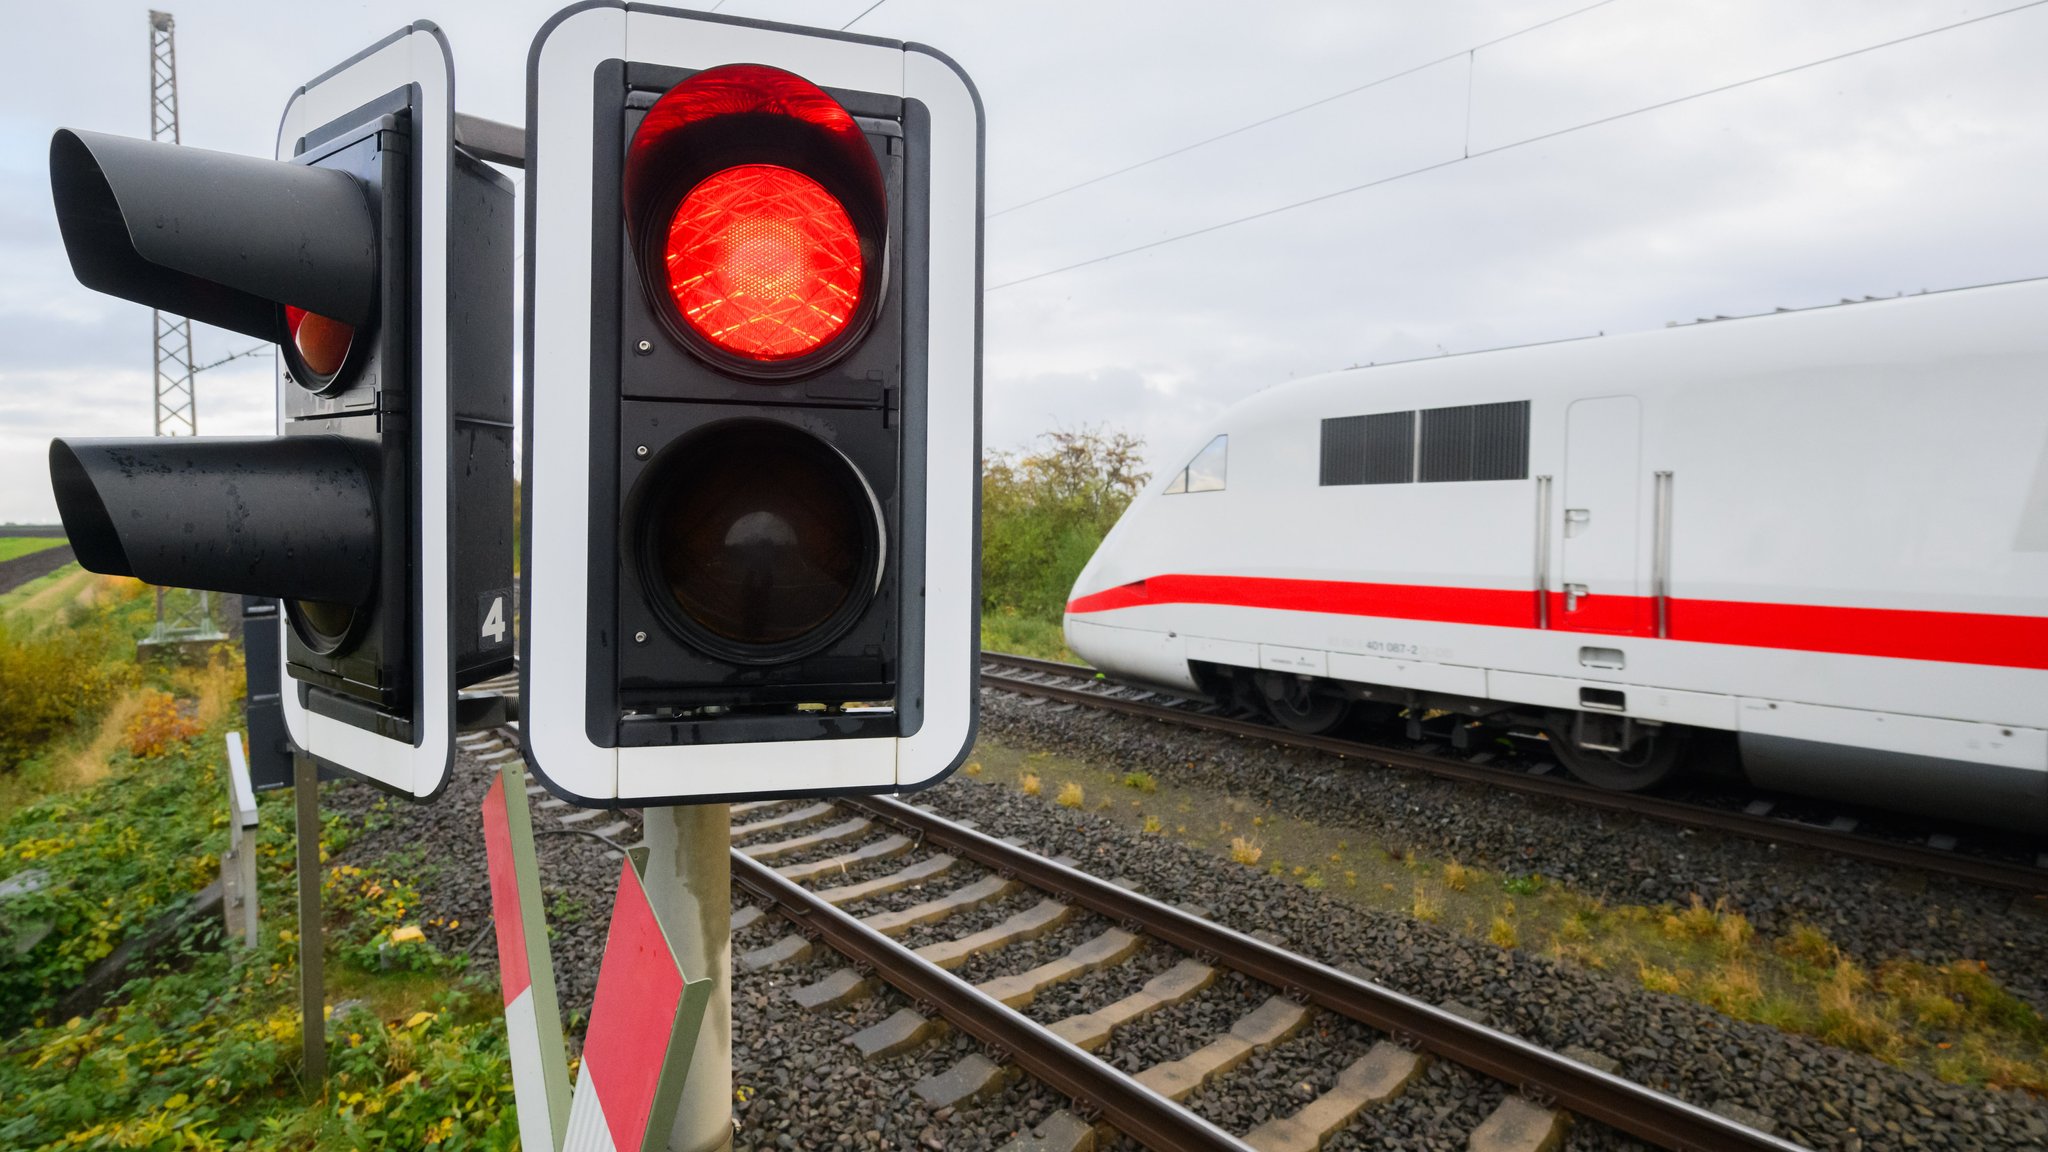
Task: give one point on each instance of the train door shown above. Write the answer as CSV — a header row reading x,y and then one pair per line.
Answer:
x,y
1598,553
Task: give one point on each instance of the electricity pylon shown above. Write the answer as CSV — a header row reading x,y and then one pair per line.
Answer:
x,y
181,616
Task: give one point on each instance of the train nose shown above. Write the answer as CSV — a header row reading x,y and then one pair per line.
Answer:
x,y
1086,586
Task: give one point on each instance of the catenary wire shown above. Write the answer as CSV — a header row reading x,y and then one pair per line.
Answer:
x,y
260,348
863,14
1512,144
1262,122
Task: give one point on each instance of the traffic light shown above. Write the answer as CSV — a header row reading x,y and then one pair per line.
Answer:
x,y
377,256
752,409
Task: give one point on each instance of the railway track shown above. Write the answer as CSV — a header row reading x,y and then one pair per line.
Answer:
x,y
1145,1106
1072,684
834,839
888,927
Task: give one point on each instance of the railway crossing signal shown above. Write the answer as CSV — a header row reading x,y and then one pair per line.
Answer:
x,y
751,434
377,256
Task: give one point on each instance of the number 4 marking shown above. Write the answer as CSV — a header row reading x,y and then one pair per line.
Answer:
x,y
494,621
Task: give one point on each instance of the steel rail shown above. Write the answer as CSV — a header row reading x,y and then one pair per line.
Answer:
x,y
1095,1085
1644,1113
1991,873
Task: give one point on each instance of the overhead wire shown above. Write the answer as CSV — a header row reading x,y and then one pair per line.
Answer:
x,y
863,14
1513,144
260,348
1317,103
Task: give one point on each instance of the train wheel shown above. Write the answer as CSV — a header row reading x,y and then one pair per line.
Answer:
x,y
1650,763
1296,706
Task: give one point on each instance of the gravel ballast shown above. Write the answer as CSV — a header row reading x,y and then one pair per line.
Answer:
x,y
804,1087
1820,1096
1871,912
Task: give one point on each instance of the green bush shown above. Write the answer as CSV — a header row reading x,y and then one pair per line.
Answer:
x,y
117,855
208,1057
1005,631
203,1052
1044,512
48,682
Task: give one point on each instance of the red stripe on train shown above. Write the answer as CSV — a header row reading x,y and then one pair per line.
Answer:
x,y
1903,634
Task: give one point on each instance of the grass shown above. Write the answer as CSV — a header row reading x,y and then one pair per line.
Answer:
x,y
12,546
120,804
1457,877
1502,933
68,679
202,1052
44,597
1426,905
1025,636
120,850
1954,1020
1071,795
205,1054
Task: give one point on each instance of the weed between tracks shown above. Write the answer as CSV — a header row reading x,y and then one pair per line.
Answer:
x,y
1953,1020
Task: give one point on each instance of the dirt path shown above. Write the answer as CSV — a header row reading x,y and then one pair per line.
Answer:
x,y
42,604
22,569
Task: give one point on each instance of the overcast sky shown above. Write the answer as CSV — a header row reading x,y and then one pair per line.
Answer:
x,y
1916,166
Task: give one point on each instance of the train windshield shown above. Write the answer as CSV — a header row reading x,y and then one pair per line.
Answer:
x,y
1205,473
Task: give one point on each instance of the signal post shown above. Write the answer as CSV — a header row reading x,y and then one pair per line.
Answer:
x,y
689,883
377,257
751,441
751,438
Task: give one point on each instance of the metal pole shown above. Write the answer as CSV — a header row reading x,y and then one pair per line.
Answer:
x,y
238,867
689,883
312,1000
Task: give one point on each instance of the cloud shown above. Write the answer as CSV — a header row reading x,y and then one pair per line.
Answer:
x,y
1913,167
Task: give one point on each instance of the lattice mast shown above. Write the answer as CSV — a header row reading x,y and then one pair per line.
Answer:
x,y
181,617
177,408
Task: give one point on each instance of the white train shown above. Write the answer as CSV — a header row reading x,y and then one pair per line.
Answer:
x,y
1821,534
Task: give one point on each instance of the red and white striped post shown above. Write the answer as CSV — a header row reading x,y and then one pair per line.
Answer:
x,y
643,1032
526,972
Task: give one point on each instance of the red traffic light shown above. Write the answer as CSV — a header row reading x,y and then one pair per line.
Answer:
x,y
758,217
763,262
321,343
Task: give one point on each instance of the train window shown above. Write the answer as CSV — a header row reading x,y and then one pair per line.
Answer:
x,y
1475,442
1446,444
1205,472
1378,449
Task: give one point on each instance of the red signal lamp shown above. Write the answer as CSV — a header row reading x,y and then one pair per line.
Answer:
x,y
758,217
763,262
319,345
